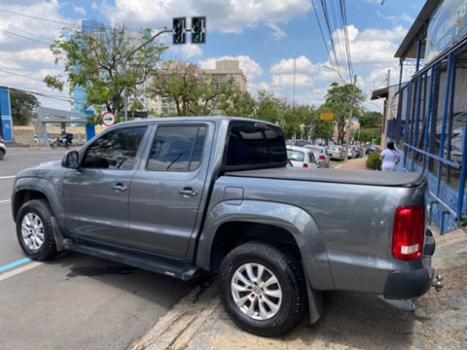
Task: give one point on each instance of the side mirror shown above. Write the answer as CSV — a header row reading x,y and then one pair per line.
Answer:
x,y
71,160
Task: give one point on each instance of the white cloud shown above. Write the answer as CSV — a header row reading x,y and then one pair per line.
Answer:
x,y
372,52
227,16
79,9
186,51
370,46
302,64
401,18
250,67
31,58
276,31
290,80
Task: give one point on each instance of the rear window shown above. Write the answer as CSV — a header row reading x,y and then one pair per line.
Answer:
x,y
254,145
317,149
296,156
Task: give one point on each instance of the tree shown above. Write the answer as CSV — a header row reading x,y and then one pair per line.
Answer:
x,y
101,64
345,102
192,90
322,129
23,105
372,120
270,108
240,104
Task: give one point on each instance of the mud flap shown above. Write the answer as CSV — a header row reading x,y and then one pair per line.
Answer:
x,y
58,237
315,302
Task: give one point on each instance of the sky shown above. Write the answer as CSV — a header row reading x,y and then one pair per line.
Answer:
x,y
266,36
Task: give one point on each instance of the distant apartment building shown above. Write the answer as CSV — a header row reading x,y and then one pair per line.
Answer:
x,y
223,71
226,70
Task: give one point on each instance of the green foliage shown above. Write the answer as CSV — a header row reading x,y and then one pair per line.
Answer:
x,y
345,102
196,93
101,64
23,105
297,121
371,120
374,161
368,135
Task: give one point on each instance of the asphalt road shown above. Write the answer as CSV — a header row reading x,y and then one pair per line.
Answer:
x,y
74,301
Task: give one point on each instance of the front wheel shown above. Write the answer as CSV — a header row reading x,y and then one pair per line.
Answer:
x,y
34,230
262,289
2,154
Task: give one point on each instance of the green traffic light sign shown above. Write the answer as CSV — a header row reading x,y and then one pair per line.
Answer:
x,y
198,30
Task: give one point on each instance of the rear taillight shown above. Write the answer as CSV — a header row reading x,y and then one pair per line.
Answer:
x,y
321,157
305,165
409,232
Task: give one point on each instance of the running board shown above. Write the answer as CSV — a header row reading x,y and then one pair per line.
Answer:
x,y
164,266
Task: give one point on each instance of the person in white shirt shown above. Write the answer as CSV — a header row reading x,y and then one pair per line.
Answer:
x,y
390,158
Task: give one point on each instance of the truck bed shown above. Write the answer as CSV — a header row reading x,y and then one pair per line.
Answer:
x,y
345,176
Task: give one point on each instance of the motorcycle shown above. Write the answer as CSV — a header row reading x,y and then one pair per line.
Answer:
x,y
62,141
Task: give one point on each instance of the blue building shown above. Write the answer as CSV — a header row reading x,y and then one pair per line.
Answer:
x,y
430,125
6,124
79,94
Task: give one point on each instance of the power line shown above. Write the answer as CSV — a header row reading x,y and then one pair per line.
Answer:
x,y
58,96
48,38
21,75
25,37
42,94
39,18
315,10
328,26
346,38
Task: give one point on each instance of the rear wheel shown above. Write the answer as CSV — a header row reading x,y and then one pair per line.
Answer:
x,y
262,288
2,154
34,230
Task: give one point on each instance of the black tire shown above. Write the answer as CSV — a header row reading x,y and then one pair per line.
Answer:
x,y
2,154
41,208
286,268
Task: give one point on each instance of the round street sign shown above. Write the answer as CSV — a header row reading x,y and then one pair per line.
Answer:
x,y
108,119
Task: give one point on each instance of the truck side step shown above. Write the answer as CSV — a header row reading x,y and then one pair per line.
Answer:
x,y
160,265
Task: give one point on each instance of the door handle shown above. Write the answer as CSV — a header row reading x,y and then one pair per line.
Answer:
x,y
119,187
188,192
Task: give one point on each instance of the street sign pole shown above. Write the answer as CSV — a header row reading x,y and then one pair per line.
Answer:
x,y
179,29
125,91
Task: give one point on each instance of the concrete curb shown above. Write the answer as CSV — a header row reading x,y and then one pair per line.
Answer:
x,y
175,329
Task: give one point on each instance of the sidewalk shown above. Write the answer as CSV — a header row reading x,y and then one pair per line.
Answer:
x,y
358,163
350,321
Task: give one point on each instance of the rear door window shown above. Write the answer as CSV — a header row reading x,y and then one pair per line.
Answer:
x,y
177,148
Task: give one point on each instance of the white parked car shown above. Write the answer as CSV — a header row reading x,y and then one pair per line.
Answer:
x,y
321,155
2,149
351,152
337,152
301,157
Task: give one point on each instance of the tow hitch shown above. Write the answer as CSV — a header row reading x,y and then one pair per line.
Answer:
x,y
437,283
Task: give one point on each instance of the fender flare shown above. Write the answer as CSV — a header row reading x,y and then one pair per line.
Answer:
x,y
46,188
295,220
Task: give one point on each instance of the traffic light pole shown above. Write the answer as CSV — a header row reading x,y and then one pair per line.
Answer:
x,y
125,91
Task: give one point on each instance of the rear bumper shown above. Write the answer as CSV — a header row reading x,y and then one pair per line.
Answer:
x,y
412,284
408,284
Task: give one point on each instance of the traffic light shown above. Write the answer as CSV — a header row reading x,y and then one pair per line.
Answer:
x,y
179,30
198,30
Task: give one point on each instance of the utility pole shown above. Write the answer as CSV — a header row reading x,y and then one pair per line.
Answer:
x,y
388,77
294,77
125,103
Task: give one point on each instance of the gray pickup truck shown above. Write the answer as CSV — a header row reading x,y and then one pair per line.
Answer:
x,y
183,195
